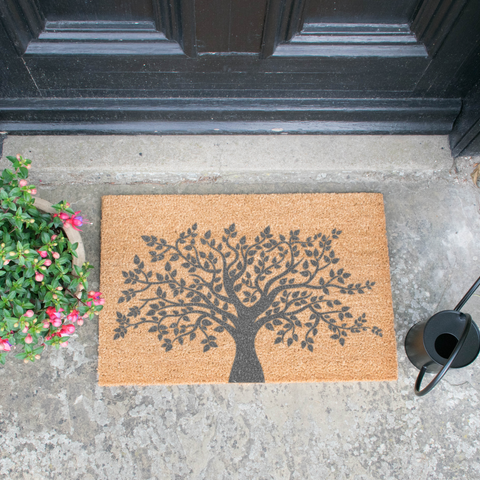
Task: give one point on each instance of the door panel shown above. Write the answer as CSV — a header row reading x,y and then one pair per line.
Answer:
x,y
94,10
152,27
359,11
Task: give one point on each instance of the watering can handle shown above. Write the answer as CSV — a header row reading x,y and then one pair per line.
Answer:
x,y
443,371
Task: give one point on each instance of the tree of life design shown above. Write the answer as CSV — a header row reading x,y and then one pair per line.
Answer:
x,y
205,286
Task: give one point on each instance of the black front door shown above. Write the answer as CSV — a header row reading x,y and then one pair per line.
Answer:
x,y
322,61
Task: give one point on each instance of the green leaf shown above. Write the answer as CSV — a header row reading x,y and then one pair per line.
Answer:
x,y
11,322
7,174
30,272
73,284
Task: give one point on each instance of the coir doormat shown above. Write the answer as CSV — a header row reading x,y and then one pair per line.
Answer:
x,y
245,288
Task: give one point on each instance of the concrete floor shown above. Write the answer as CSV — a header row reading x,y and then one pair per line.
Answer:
x,y
56,422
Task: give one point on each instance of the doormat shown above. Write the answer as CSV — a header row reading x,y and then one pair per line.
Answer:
x,y
245,288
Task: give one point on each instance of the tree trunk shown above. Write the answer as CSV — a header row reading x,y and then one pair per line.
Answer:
x,y
246,366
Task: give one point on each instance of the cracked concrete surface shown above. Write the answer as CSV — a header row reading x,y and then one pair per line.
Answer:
x,y
56,422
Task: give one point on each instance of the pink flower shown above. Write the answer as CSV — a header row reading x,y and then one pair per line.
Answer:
x,y
29,313
46,324
5,345
64,344
75,221
38,277
56,255
28,339
47,262
28,167
25,330
73,316
55,317
6,262
95,296
33,191
23,183
67,330
42,253
53,237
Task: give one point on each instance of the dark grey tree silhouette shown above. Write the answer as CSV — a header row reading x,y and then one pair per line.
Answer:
x,y
206,286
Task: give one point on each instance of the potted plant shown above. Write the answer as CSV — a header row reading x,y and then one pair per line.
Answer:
x,y
43,277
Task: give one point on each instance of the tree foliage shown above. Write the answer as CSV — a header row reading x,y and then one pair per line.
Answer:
x,y
205,286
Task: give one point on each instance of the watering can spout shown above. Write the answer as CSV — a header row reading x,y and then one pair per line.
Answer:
x,y
449,339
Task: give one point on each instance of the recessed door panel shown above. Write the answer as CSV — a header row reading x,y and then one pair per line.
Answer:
x,y
92,10
359,11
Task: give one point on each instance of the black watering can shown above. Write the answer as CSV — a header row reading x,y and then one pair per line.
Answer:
x,y
449,339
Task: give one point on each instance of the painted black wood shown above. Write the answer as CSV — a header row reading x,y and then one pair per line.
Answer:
x,y
120,10
452,37
218,56
176,18
246,75
105,38
229,25
283,20
433,21
358,40
465,136
215,115
361,11
14,75
22,21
